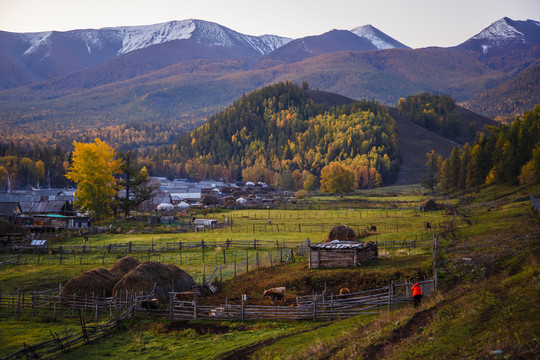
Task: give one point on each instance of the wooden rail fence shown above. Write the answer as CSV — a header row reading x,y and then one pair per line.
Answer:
x,y
124,306
311,307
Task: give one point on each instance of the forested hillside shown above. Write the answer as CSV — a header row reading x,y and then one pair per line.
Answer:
x,y
510,98
506,154
279,130
440,114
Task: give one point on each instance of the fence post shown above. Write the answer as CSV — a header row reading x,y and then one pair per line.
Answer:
x,y
390,295
435,245
171,305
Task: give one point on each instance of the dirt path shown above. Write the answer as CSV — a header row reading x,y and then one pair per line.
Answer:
x,y
419,319
246,352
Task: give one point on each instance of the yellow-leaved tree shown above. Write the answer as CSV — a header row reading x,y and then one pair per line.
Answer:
x,y
337,178
93,168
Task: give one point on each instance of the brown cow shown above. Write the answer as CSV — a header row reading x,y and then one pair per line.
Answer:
x,y
344,291
152,304
276,293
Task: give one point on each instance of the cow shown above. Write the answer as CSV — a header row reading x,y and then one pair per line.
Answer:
x,y
428,225
373,228
344,291
276,293
217,312
152,304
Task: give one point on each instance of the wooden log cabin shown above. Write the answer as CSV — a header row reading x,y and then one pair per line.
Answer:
x,y
341,254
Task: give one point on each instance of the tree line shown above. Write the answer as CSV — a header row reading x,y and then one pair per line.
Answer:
x,y
505,154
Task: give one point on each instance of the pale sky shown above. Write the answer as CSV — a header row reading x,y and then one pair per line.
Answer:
x,y
416,23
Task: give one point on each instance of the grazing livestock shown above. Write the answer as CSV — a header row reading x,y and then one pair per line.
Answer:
x,y
344,291
373,228
150,304
217,312
276,293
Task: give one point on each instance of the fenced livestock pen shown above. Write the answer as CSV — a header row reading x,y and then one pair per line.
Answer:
x,y
312,307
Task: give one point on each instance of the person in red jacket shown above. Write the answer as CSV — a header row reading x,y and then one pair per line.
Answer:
x,y
416,294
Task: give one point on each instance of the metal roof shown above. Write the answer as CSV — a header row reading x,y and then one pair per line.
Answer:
x,y
337,244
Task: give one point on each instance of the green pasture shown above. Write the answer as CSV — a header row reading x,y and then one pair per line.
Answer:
x,y
397,218
290,226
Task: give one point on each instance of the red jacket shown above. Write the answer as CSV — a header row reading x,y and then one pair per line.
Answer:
x,y
416,289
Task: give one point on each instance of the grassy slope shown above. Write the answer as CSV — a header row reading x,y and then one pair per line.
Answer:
x,y
489,299
488,275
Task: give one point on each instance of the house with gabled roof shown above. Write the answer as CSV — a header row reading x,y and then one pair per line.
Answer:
x,y
10,211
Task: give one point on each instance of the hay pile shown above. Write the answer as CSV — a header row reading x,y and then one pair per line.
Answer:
x,y
166,277
124,265
341,232
429,205
98,282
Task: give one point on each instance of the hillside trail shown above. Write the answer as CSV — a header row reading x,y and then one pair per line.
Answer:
x,y
246,352
420,319
383,348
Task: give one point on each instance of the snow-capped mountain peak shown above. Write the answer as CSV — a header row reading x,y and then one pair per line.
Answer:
x,y
499,30
506,32
130,38
139,37
379,39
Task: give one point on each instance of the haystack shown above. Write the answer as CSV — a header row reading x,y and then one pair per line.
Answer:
x,y
96,282
429,205
166,278
341,232
124,265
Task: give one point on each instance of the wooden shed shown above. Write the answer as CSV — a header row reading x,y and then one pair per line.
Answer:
x,y
341,254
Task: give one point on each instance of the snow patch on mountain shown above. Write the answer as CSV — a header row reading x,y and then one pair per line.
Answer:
x,y
498,34
130,38
139,37
499,30
37,41
369,33
272,42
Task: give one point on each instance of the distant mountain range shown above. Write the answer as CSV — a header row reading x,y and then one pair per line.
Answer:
x,y
43,55
189,69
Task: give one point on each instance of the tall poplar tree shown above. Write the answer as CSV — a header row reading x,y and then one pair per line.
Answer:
x,y
433,164
93,169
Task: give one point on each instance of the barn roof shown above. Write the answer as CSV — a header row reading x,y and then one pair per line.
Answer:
x,y
44,207
337,244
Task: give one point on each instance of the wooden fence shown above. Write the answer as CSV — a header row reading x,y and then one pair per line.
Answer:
x,y
535,205
10,260
14,304
119,307
58,343
312,307
129,247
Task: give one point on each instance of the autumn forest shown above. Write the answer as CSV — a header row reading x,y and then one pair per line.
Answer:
x,y
284,136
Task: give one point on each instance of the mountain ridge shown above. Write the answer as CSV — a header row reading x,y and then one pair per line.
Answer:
x,y
164,81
